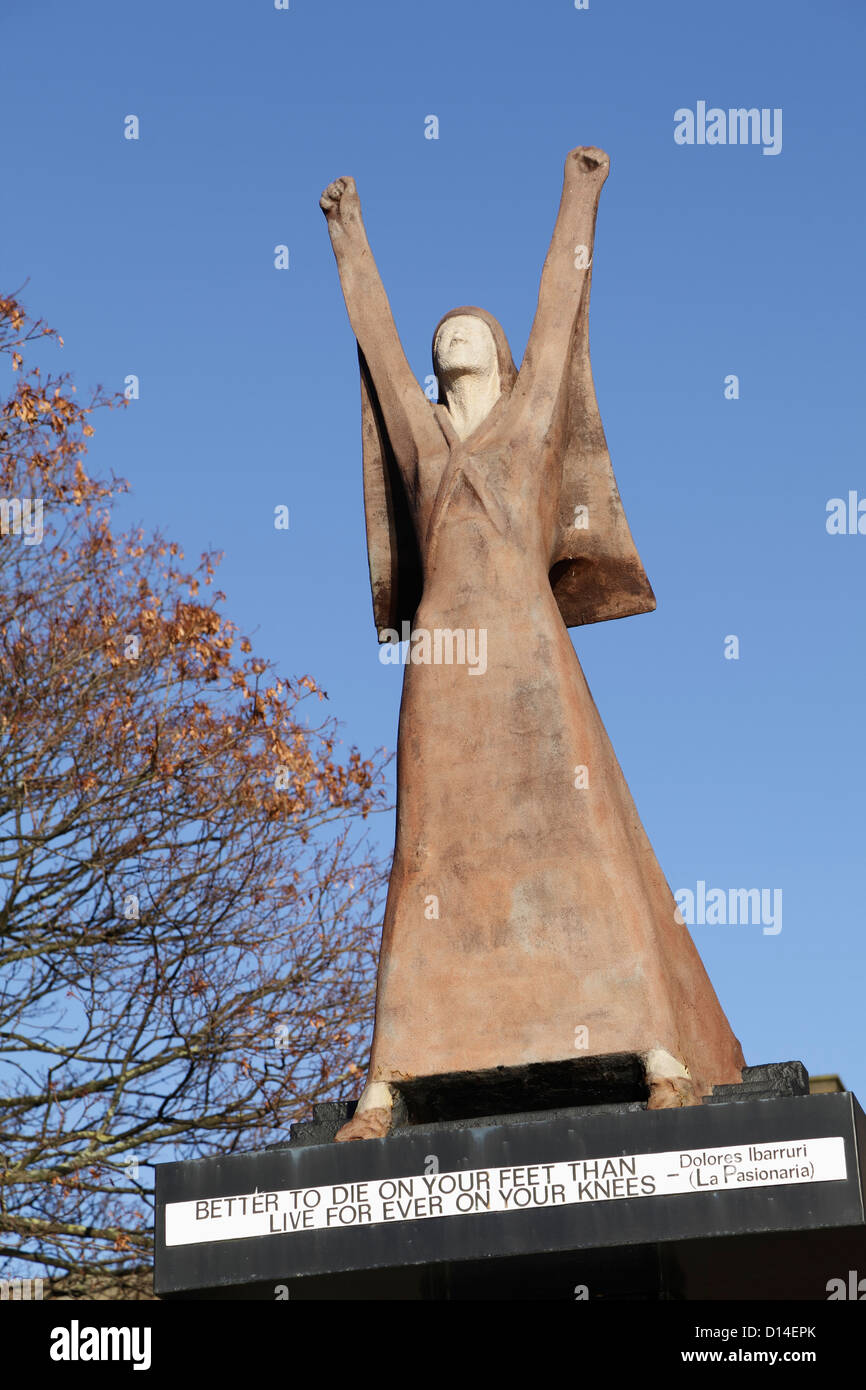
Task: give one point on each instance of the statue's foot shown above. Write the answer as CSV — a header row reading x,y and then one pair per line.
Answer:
x,y
373,1124
372,1118
670,1092
669,1083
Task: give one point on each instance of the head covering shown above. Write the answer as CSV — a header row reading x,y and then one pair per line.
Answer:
x,y
507,369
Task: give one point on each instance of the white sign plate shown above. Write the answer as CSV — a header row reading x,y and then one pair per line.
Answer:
x,y
460,1193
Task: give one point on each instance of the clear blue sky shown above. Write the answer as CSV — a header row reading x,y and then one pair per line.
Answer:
x,y
155,257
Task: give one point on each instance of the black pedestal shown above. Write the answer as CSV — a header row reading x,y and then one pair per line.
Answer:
x,y
758,1193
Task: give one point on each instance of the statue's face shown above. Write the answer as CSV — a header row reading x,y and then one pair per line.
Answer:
x,y
464,343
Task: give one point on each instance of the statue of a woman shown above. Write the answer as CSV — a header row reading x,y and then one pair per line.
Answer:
x,y
526,909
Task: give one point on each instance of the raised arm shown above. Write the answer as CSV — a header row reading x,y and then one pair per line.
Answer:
x,y
564,280
407,412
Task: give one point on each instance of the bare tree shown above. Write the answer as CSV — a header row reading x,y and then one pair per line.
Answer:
x,y
187,931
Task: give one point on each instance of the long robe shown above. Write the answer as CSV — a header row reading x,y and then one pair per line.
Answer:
x,y
523,906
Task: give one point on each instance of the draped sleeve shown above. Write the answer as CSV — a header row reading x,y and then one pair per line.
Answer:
x,y
392,547
595,570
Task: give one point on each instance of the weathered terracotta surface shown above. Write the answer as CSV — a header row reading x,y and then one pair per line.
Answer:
x,y
521,907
